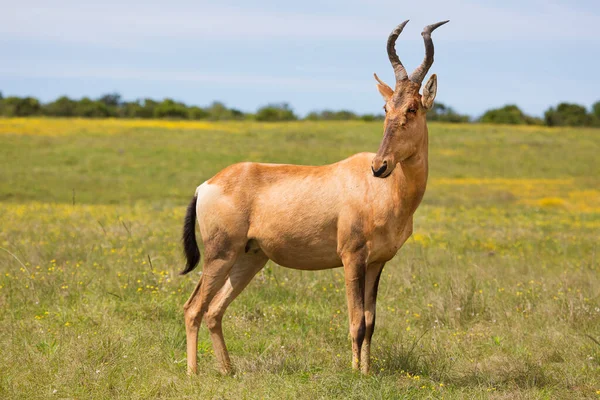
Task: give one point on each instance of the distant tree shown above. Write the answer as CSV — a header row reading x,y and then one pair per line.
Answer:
x,y
443,113
61,107
509,114
88,108
19,107
111,99
169,108
567,114
596,114
236,114
1,97
195,112
275,112
328,115
217,111
312,116
372,117
29,106
130,109
595,108
344,115
147,108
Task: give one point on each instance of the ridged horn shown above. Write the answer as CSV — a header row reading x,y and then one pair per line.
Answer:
x,y
419,73
399,70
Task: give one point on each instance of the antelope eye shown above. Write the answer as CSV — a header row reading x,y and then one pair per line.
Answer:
x,y
385,109
412,110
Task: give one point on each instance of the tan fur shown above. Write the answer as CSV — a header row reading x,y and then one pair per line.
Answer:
x,y
313,218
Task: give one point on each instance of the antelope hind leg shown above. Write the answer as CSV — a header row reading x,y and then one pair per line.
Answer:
x,y
242,272
216,269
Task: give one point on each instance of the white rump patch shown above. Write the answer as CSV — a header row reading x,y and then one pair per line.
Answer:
x,y
206,194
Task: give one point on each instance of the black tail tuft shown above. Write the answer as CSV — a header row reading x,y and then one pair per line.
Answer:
x,y
190,247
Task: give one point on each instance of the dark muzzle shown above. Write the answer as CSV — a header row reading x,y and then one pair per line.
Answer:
x,y
380,171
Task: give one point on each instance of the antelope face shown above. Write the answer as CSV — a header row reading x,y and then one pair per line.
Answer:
x,y
405,126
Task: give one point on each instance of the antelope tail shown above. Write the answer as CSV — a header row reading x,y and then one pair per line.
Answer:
x,y
190,246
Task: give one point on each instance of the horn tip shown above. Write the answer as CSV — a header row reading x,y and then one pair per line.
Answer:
x,y
430,28
401,26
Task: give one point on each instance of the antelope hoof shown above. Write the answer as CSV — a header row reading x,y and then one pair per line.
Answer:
x,y
227,371
365,369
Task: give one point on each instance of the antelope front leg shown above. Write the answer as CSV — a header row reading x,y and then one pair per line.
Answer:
x,y
354,274
371,284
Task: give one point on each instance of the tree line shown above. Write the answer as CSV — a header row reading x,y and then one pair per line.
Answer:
x,y
112,106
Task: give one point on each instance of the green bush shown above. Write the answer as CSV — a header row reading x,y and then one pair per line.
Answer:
x,y
509,114
595,109
328,115
276,112
171,109
596,114
147,110
111,105
217,111
61,107
130,109
441,112
372,117
19,107
567,114
111,99
88,108
195,112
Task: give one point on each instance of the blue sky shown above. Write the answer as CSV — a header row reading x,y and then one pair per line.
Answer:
x,y
312,54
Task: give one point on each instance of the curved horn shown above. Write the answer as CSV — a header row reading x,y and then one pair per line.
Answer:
x,y
399,70
420,72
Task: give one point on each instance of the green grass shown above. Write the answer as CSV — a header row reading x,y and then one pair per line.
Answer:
x,y
497,295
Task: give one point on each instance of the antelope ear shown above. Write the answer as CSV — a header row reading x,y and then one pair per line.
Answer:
x,y
384,89
429,91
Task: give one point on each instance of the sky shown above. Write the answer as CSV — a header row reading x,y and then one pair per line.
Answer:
x,y
312,54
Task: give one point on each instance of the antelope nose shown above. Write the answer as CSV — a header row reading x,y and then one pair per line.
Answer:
x,y
380,171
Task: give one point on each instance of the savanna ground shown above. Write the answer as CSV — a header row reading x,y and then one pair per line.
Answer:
x,y
496,295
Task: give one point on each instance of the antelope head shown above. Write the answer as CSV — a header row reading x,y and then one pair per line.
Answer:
x,y
405,126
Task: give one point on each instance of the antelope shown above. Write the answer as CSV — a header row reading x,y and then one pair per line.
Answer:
x,y
354,214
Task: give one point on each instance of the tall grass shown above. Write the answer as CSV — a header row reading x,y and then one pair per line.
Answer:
x,y
497,294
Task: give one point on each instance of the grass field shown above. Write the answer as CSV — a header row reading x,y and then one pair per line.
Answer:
x,y
496,295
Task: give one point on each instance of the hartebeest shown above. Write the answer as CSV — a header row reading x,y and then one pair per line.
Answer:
x,y
314,218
